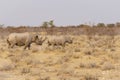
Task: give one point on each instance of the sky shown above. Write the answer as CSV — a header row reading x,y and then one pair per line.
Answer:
x,y
63,12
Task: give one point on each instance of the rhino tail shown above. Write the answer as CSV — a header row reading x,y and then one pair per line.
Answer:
x,y
8,42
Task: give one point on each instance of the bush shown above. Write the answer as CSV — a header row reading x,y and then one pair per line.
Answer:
x,y
118,24
100,25
107,66
90,64
6,65
110,25
25,70
90,77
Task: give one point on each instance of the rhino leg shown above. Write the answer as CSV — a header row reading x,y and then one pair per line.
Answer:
x,y
49,44
27,46
12,45
9,44
63,45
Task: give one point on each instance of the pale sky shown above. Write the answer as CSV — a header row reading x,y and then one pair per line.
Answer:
x,y
63,12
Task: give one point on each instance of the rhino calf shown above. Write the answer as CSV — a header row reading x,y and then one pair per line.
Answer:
x,y
21,39
59,40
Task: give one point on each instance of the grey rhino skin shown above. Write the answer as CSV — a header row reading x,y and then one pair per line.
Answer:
x,y
21,39
59,40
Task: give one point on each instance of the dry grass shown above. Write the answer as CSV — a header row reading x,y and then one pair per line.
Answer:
x,y
6,65
72,30
94,57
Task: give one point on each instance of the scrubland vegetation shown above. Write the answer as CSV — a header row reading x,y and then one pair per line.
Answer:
x,y
93,55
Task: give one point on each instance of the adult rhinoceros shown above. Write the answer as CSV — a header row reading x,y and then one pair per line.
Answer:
x,y
21,39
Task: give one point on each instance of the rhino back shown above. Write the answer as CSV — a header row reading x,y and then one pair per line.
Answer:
x,y
19,38
22,38
56,39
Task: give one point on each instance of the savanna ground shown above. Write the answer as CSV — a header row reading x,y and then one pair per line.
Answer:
x,y
90,57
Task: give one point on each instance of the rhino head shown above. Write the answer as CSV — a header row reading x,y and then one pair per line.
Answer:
x,y
69,40
40,40
35,38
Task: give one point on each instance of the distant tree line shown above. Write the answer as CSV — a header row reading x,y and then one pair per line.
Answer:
x,y
50,28
101,25
50,24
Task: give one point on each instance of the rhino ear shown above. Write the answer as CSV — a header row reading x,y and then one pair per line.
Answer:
x,y
36,37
